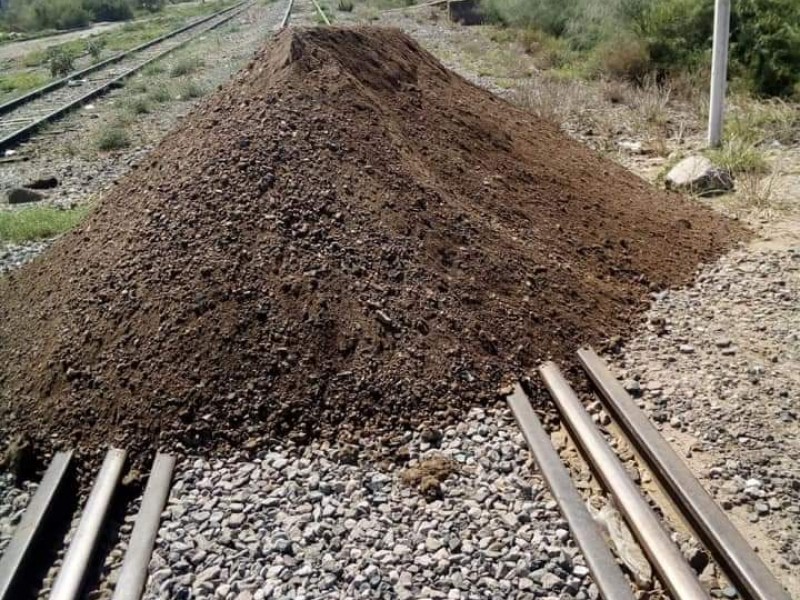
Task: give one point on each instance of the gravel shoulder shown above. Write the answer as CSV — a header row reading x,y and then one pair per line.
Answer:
x,y
328,522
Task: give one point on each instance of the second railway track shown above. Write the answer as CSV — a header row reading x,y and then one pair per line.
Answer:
x,y
23,116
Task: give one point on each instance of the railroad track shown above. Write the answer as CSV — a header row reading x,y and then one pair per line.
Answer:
x,y
34,539
733,554
22,117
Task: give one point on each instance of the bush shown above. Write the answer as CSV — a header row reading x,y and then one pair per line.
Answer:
x,y
94,46
626,38
151,5
112,137
139,106
623,57
766,46
109,10
49,14
185,66
61,62
37,15
346,5
190,90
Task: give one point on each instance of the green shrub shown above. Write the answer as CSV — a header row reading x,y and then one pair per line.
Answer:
x,y
346,5
160,94
152,5
625,57
190,90
21,82
109,10
61,62
766,47
38,15
139,106
94,46
185,66
112,137
53,14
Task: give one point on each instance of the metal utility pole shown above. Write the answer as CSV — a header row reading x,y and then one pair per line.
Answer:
x,y
719,70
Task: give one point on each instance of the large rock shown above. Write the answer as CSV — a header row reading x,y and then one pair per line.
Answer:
x,y
698,175
23,196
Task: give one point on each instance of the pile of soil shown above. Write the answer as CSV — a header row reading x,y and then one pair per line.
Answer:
x,y
346,238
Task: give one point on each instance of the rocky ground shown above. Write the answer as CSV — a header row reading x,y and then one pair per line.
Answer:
x,y
13,501
321,522
717,367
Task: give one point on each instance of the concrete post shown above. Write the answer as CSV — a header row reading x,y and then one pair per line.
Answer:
x,y
719,70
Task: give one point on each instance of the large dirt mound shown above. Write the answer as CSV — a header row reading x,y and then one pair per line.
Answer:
x,y
346,237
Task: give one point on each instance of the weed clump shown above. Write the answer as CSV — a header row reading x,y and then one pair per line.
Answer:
x,y
113,137
185,66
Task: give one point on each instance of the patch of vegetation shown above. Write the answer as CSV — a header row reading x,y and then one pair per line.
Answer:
x,y
94,46
139,106
60,61
738,156
160,94
38,222
153,69
21,81
324,15
186,66
634,38
113,137
346,5
189,90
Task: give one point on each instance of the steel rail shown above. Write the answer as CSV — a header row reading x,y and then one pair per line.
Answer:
x,y
285,20
744,567
675,573
133,574
69,581
59,83
25,132
30,527
321,12
605,572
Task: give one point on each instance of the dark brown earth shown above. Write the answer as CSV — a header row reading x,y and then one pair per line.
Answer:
x,y
347,238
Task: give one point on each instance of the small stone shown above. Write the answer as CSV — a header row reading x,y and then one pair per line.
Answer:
x,y
580,571
633,387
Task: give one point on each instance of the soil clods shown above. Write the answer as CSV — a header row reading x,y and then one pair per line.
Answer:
x,y
346,238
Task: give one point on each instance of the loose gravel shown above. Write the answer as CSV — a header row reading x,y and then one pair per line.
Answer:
x,y
717,367
308,523
13,256
13,501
